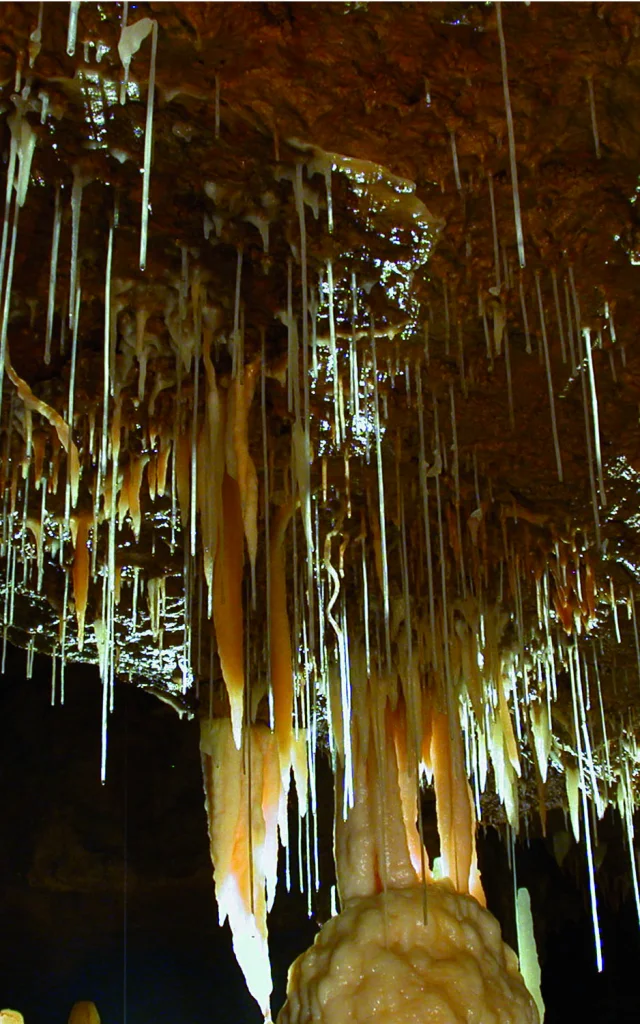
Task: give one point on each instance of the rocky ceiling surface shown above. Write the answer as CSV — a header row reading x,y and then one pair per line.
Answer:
x,y
397,246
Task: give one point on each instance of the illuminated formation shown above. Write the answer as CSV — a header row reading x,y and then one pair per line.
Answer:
x,y
84,1013
324,440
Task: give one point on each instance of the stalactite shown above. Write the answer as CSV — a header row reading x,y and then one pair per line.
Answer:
x,y
511,134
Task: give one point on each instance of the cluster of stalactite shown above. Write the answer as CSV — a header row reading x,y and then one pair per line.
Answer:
x,y
282,511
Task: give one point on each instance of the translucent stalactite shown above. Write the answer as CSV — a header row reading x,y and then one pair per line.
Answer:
x,y
148,139
579,787
525,318
72,29
585,408
35,38
456,476
511,133
281,662
228,614
595,415
71,399
494,226
556,299
507,363
11,169
76,211
454,154
547,363
594,119
572,347
381,501
53,273
237,354
6,305
333,348
216,117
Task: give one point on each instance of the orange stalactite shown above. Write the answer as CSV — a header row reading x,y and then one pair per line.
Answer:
x,y
81,569
152,476
243,799
55,419
39,442
590,593
183,461
374,526
123,500
163,464
227,602
407,785
211,466
377,845
116,428
454,806
240,465
280,640
36,528
136,472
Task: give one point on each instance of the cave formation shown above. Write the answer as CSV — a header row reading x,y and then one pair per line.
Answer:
x,y
319,423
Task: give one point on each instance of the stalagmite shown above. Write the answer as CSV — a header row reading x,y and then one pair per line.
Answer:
x,y
527,952
383,909
84,1013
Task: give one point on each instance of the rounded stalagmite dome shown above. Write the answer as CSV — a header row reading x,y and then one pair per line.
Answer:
x,y
84,1012
378,962
11,1017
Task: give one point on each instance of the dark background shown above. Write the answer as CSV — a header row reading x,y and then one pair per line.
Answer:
x,y
65,840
